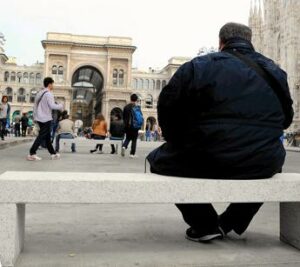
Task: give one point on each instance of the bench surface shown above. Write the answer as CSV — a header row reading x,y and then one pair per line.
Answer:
x,y
93,188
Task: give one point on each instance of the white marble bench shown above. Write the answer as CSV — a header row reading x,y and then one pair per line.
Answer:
x,y
20,188
65,144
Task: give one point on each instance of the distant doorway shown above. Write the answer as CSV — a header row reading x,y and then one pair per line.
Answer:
x,y
87,84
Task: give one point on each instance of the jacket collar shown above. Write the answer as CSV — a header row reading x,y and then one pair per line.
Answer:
x,y
239,45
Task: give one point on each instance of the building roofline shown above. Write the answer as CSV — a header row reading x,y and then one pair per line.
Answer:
x,y
58,42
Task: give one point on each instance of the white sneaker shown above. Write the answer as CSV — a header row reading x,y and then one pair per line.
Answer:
x,y
133,156
33,158
55,156
123,151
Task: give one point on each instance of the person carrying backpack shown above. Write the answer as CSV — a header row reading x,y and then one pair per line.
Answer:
x,y
133,121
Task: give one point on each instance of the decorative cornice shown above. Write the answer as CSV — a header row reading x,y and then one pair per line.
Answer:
x,y
53,42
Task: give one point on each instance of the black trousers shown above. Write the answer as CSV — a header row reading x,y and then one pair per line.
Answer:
x,y
2,128
17,130
24,130
131,135
98,137
44,135
204,218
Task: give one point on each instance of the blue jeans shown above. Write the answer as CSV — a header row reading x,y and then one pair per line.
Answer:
x,y
64,136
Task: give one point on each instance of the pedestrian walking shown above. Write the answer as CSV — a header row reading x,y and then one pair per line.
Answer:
x,y
42,111
4,115
24,124
133,120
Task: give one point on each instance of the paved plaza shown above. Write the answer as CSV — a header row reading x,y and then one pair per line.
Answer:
x,y
134,235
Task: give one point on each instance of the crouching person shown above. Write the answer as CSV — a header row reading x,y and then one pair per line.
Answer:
x,y
65,130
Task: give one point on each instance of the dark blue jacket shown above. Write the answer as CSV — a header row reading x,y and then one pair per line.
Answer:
x,y
221,119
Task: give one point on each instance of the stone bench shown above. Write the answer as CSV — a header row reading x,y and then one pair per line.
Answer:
x,y
20,188
65,144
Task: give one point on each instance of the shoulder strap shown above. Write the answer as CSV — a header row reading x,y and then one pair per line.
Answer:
x,y
263,73
38,102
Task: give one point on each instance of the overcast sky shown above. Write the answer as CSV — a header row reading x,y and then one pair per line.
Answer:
x,y
160,28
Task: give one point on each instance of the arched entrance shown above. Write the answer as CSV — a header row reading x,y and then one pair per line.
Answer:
x,y
87,84
116,111
16,113
150,122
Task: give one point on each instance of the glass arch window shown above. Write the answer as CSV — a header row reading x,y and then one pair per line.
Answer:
x,y
146,84
31,78
135,84
121,77
158,83
38,78
140,84
60,70
151,84
115,77
149,101
25,77
9,93
19,76
21,95
33,93
6,76
54,70
13,77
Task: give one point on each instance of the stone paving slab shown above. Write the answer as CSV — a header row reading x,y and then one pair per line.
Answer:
x,y
14,141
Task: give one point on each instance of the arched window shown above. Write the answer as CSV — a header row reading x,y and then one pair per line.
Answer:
x,y
135,84
25,77
149,101
6,76
115,77
158,85
139,101
163,84
31,78
146,84
33,93
38,78
121,77
13,77
21,95
54,70
151,84
140,84
60,70
9,93
19,76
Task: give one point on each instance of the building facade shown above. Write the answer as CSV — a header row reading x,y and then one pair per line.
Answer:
x,y
92,74
276,32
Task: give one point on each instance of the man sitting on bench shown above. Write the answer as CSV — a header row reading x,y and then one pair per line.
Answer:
x,y
234,105
65,130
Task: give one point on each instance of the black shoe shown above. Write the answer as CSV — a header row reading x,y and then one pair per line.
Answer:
x,y
196,236
225,229
93,150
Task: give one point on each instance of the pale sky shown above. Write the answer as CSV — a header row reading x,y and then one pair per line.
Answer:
x,y
159,28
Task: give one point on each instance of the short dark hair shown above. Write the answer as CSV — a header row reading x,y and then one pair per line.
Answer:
x,y
235,30
47,81
134,97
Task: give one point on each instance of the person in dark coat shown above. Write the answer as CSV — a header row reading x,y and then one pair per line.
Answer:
x,y
116,130
24,124
234,121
